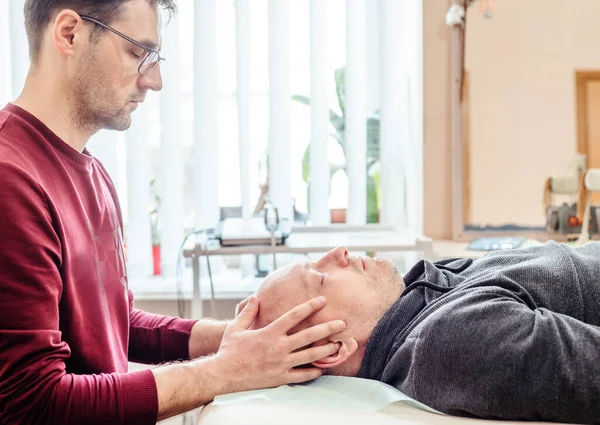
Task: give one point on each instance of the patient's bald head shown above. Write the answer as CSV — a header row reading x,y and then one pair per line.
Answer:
x,y
359,290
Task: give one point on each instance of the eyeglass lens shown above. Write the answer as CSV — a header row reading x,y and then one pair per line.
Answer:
x,y
148,62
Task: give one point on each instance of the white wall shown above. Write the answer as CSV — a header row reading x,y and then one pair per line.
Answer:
x,y
521,66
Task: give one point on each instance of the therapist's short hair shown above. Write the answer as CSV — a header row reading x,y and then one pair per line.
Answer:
x,y
38,13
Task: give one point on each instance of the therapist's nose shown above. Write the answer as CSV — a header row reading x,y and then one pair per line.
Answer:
x,y
152,79
336,257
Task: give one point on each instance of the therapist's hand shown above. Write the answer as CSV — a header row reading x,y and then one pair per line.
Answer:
x,y
267,357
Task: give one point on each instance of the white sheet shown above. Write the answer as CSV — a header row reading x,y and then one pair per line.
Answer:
x,y
329,400
338,392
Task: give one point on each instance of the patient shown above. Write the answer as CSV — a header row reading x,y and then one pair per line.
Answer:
x,y
358,291
513,335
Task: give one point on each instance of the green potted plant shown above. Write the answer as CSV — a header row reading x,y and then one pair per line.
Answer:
x,y
339,124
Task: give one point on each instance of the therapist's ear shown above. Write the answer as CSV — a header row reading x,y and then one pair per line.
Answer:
x,y
347,347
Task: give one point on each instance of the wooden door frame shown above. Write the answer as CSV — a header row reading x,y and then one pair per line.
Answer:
x,y
581,80
457,149
466,150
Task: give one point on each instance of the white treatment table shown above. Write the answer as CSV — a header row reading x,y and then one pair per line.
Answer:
x,y
310,406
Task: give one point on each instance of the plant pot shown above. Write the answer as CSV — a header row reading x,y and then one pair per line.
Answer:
x,y
156,260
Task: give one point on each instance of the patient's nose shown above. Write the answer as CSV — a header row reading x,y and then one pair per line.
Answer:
x,y
337,256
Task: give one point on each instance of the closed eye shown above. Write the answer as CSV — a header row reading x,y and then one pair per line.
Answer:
x,y
135,55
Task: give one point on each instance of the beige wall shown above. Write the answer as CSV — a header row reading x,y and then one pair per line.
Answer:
x,y
436,150
521,68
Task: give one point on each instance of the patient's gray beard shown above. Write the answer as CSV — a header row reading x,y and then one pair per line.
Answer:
x,y
390,290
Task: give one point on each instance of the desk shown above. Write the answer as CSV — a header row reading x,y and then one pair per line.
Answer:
x,y
304,240
451,249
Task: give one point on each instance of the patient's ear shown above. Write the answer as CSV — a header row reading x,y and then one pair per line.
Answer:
x,y
347,347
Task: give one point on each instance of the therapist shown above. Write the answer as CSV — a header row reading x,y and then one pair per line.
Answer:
x,y
68,325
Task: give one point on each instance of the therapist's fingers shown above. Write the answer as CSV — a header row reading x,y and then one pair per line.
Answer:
x,y
313,354
297,376
246,316
315,333
296,315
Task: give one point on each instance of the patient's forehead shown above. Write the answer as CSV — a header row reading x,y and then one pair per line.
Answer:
x,y
285,277
281,291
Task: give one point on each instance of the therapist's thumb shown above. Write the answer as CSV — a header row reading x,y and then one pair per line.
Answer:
x,y
245,318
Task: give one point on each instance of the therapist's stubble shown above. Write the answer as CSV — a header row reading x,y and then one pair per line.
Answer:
x,y
97,105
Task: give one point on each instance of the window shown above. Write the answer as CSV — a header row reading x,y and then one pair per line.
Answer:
x,y
229,177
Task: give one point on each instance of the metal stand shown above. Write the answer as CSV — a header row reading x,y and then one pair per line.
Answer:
x,y
271,223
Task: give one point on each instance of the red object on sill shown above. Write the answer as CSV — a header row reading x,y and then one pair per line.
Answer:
x,y
338,215
156,259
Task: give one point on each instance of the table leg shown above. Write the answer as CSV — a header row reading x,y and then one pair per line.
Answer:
x,y
196,298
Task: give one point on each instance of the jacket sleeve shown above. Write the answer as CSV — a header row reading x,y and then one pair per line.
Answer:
x,y
497,357
34,385
154,338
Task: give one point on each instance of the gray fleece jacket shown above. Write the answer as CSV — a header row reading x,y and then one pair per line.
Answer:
x,y
512,335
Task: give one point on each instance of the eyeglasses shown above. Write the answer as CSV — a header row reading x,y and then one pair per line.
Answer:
x,y
152,56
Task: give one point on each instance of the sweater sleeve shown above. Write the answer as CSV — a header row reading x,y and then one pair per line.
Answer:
x,y
154,338
34,385
497,357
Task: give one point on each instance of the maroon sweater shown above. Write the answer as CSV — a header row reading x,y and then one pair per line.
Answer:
x,y
67,321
